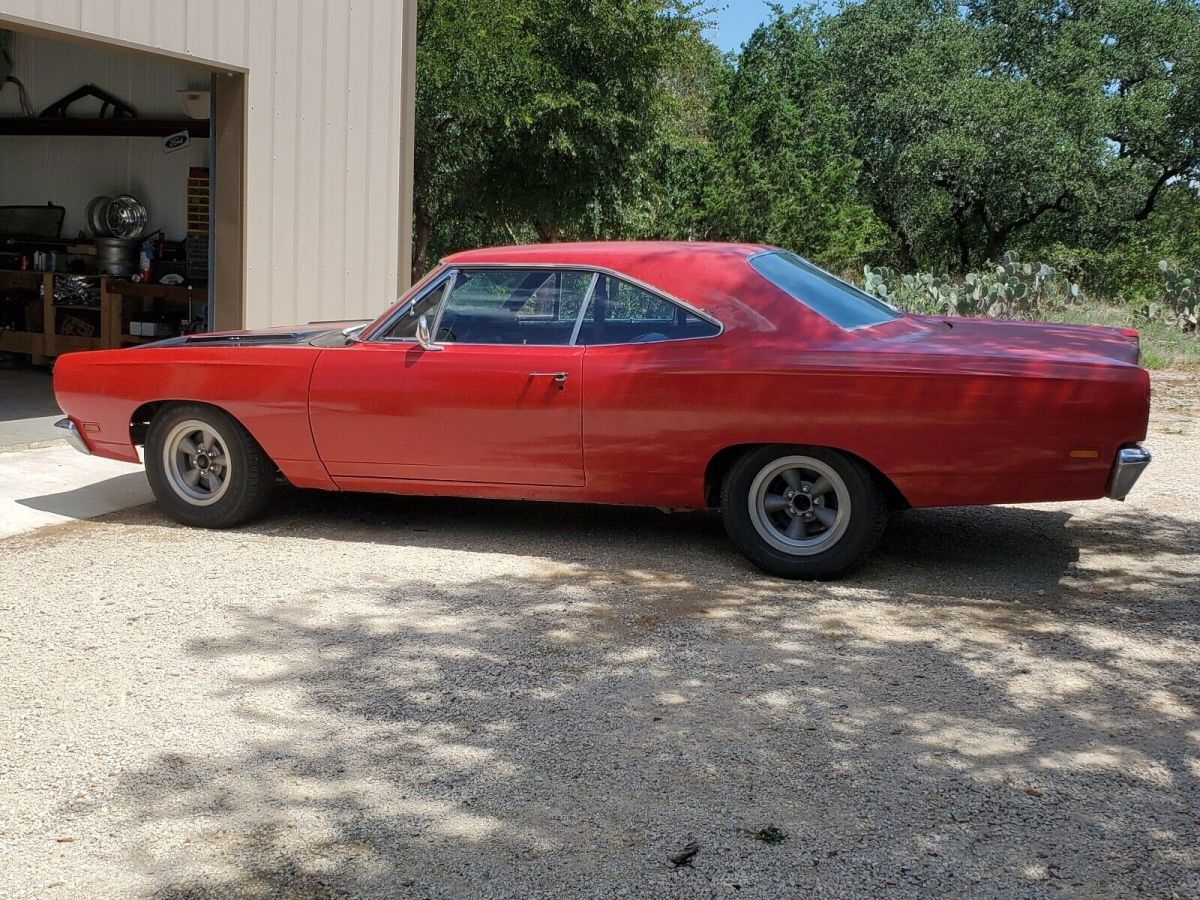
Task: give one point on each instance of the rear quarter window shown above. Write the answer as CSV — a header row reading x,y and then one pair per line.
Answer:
x,y
836,300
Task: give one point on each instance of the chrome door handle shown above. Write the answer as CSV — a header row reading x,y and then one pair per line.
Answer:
x,y
560,378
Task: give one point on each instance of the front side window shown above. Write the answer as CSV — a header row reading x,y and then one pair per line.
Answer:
x,y
622,313
836,300
536,307
405,328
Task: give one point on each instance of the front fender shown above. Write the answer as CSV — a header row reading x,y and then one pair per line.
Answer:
x,y
264,388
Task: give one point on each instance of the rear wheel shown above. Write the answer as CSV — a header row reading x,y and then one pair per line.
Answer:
x,y
205,469
802,512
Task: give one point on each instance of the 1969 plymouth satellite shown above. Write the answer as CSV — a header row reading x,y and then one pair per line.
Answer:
x,y
681,376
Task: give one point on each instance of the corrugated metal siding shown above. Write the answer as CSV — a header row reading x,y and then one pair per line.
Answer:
x,y
324,191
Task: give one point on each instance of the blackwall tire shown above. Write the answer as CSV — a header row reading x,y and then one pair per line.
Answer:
x,y
802,512
205,469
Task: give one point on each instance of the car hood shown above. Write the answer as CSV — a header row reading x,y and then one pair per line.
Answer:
x,y
1018,340
278,336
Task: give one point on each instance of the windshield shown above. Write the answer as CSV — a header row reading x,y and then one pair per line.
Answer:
x,y
839,302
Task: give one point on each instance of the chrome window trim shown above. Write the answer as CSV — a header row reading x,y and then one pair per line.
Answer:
x,y
451,284
550,270
667,298
778,251
415,291
593,270
621,276
433,282
583,308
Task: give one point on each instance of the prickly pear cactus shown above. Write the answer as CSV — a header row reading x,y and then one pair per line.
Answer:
x,y
1180,298
1010,290
880,281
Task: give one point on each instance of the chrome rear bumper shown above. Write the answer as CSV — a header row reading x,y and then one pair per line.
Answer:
x,y
1131,462
72,436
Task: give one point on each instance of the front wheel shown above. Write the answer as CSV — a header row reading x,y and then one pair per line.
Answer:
x,y
205,469
802,512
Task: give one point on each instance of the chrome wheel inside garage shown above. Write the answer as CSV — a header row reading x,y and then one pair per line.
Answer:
x,y
197,462
799,505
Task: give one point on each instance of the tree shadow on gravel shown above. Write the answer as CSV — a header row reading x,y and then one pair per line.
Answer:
x,y
1003,701
1014,550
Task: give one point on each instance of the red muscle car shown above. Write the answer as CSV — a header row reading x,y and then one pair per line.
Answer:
x,y
680,376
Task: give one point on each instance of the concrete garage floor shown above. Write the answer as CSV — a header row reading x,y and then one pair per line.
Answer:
x,y
43,481
27,407
416,698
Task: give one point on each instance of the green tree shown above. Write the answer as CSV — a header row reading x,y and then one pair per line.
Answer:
x,y
767,157
1135,62
994,123
472,65
591,109
964,144
677,171
929,132
1147,58
787,173
532,115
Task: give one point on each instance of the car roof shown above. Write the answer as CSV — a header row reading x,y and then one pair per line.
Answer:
x,y
617,255
716,279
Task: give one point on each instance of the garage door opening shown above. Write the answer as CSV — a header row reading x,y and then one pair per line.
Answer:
x,y
121,182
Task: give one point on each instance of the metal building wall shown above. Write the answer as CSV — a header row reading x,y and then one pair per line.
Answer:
x,y
328,133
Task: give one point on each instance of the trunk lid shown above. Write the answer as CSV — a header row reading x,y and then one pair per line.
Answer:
x,y
1020,340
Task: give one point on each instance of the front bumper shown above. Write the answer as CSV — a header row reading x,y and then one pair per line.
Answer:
x,y
72,436
1131,462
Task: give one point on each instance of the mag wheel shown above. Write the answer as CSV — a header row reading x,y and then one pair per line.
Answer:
x,y
205,468
197,462
800,512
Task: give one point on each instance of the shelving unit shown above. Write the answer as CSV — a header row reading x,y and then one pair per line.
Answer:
x,y
160,128
120,301
31,342
130,297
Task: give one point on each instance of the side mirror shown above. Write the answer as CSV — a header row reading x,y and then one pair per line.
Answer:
x,y
423,337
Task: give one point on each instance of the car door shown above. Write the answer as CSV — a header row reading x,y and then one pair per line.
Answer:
x,y
658,394
496,401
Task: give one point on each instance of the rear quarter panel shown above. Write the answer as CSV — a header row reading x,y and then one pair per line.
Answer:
x,y
264,388
946,431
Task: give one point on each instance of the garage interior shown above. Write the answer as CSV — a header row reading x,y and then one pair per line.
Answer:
x,y
111,221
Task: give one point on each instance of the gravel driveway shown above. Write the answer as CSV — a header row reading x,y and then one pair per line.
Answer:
x,y
374,696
